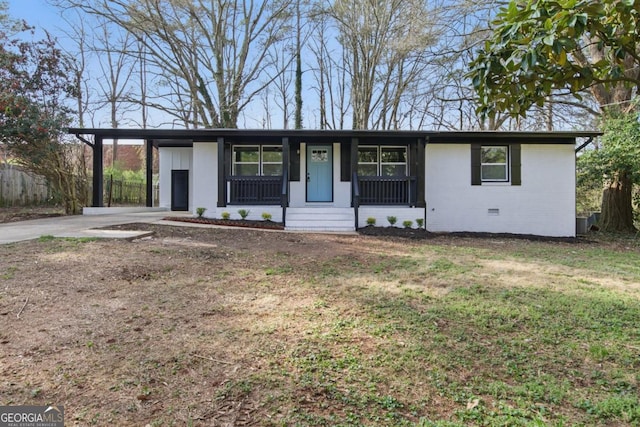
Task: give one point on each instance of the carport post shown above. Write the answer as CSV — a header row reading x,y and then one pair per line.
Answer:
x,y
98,173
149,166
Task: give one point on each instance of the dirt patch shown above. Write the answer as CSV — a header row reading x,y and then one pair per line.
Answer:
x,y
125,333
13,214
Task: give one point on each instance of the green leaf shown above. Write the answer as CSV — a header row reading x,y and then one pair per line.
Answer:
x,y
562,58
549,39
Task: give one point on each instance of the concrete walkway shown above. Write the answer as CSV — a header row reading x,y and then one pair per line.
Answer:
x,y
80,226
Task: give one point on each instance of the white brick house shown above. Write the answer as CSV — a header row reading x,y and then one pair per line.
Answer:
x,y
491,182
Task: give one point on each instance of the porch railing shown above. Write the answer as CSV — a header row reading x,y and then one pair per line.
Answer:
x,y
255,190
383,190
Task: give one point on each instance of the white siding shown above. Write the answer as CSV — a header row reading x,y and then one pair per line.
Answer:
x,y
205,177
255,212
174,158
543,205
380,213
341,190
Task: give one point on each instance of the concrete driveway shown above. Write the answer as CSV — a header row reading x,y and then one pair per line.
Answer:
x,y
79,226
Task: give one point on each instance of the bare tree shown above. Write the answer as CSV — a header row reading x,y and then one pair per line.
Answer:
x,y
329,72
384,40
213,51
282,82
117,70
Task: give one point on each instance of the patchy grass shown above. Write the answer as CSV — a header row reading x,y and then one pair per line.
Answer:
x,y
209,327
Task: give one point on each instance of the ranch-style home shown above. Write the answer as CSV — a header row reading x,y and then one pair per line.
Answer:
x,y
334,180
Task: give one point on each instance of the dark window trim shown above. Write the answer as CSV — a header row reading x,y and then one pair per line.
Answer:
x,y
380,163
514,163
260,162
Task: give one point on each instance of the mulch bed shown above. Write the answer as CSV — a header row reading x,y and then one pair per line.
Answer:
x,y
406,233
269,225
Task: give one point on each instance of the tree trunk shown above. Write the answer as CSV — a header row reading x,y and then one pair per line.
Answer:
x,y
617,211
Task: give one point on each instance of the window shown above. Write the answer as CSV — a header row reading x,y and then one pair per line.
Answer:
x,y
257,160
271,161
382,161
494,162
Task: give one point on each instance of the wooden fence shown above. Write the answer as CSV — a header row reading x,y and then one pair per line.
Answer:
x,y
19,188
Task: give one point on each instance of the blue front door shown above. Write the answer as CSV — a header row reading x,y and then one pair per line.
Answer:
x,y
319,173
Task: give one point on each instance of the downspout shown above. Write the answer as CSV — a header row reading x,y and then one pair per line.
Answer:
x,y
589,141
577,150
426,142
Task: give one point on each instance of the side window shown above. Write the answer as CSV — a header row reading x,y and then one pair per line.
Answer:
x,y
494,162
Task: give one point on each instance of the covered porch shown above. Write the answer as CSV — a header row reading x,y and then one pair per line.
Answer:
x,y
277,168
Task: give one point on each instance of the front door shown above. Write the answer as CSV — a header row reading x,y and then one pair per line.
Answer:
x,y
319,173
179,190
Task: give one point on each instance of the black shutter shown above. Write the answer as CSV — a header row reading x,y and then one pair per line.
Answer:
x,y
516,173
345,162
294,161
476,177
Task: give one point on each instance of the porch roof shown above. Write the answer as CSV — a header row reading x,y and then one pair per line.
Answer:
x,y
185,137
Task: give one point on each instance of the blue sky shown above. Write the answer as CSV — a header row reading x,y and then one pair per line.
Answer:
x,y
36,12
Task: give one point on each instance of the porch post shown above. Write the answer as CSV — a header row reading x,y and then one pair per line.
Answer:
x,y
285,172
149,169
354,163
222,178
98,174
421,175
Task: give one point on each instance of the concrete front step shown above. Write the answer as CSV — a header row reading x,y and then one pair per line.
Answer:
x,y
320,219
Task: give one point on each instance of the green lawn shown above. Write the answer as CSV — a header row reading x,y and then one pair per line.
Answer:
x,y
540,334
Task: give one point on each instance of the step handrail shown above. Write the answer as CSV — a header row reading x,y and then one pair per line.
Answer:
x,y
356,197
284,195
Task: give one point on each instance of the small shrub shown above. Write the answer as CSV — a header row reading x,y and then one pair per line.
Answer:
x,y
420,222
392,220
266,216
200,212
371,221
225,215
407,223
244,213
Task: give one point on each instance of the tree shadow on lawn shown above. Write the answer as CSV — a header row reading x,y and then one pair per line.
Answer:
x,y
457,344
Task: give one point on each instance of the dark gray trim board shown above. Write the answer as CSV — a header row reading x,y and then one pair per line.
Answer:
x,y
348,139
